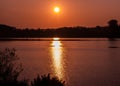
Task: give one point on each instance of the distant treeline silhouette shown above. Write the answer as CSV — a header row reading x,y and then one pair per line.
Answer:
x,y
110,31
10,71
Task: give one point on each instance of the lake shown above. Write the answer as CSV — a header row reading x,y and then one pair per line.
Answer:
x,y
78,61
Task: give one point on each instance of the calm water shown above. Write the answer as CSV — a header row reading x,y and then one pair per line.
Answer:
x,y
80,62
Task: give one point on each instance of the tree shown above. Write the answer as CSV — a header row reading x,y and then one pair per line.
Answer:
x,y
113,23
113,28
9,69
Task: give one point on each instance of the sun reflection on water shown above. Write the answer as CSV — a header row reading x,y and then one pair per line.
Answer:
x,y
57,58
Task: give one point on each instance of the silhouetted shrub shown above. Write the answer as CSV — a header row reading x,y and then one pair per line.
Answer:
x,y
46,80
9,69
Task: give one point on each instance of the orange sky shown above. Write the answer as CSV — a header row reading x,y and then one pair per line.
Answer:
x,y
40,14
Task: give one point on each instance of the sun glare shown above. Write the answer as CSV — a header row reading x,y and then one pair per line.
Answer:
x,y
56,9
56,39
57,60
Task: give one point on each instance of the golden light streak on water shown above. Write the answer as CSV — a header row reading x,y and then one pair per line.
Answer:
x,y
57,58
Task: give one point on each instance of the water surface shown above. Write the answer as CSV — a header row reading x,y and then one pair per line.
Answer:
x,y
80,62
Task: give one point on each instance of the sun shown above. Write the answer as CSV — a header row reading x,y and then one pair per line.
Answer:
x,y
56,9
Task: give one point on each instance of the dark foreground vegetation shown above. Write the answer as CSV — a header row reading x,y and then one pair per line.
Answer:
x,y
110,31
10,71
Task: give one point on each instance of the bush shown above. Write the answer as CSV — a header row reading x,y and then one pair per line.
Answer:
x,y
9,69
46,80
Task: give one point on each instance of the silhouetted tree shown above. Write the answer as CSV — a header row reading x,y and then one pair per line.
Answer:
x,y
113,23
9,69
113,28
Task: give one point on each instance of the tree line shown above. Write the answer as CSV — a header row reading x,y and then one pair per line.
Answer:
x,y
110,31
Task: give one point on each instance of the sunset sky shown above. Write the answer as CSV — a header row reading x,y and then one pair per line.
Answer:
x,y
40,13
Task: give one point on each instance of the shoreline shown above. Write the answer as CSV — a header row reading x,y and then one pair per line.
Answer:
x,y
61,39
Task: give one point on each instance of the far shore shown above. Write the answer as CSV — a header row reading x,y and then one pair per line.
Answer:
x,y
61,39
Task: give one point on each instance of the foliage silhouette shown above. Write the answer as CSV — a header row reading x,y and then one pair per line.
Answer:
x,y
112,30
9,69
46,80
113,23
